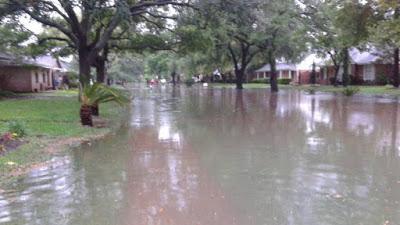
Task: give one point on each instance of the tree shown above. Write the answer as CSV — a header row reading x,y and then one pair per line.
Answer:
x,y
386,33
282,34
93,95
11,38
173,73
313,77
147,36
248,29
76,20
126,66
334,27
352,21
157,65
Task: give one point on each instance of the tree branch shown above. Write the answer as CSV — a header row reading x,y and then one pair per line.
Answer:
x,y
42,40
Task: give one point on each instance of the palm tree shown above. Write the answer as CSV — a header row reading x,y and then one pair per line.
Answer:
x,y
93,95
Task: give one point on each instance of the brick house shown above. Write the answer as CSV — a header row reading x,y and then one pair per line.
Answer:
x,y
365,67
25,75
304,69
284,70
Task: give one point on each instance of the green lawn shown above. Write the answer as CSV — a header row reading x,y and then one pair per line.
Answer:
x,y
366,90
246,86
52,117
47,117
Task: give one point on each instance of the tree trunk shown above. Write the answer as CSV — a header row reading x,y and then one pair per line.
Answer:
x,y
395,75
86,115
345,77
84,67
335,82
313,78
239,79
273,75
95,110
173,75
101,70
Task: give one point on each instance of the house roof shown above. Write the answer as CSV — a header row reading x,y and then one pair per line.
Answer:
x,y
364,57
308,61
279,67
356,57
44,61
11,60
47,61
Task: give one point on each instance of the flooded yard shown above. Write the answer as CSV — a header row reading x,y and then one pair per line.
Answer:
x,y
218,156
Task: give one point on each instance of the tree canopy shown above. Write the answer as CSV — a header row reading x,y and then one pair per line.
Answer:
x,y
201,36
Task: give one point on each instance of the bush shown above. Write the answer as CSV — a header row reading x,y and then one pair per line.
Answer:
x,y
332,80
260,81
189,82
356,80
350,91
284,81
382,79
6,94
73,75
310,91
74,85
17,128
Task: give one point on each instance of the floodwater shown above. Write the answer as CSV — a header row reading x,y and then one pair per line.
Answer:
x,y
217,156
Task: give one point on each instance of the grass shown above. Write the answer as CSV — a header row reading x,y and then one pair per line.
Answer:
x,y
364,90
246,86
47,117
58,93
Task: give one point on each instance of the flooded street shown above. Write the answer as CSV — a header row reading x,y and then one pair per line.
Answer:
x,y
220,157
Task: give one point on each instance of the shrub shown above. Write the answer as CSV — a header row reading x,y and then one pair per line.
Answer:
x,y
6,94
284,81
17,128
350,91
94,95
369,82
382,79
332,80
310,91
73,75
74,85
260,81
189,82
356,80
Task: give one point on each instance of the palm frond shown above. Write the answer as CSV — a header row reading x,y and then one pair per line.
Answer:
x,y
99,93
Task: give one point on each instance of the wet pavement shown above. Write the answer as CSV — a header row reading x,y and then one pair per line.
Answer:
x,y
218,156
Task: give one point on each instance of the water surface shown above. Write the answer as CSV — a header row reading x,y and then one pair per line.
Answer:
x,y
218,156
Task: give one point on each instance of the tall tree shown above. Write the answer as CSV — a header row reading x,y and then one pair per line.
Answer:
x,y
248,29
334,27
386,33
282,34
352,21
76,20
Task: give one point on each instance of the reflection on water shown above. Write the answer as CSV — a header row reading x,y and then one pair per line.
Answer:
x,y
218,156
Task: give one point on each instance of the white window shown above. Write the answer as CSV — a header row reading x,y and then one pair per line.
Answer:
x,y
325,76
369,72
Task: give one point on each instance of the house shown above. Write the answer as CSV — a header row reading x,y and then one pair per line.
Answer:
x,y
284,70
305,67
365,67
29,75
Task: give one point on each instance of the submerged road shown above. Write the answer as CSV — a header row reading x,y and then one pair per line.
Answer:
x,y
204,156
